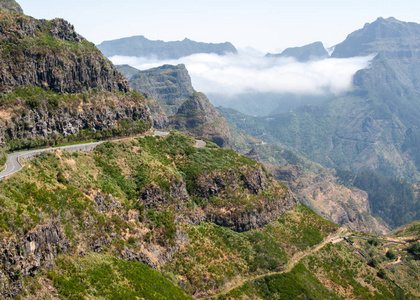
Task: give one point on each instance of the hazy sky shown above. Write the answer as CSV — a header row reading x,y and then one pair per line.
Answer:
x,y
267,25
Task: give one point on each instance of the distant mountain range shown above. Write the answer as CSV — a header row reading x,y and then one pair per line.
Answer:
x,y
303,54
373,127
160,216
140,46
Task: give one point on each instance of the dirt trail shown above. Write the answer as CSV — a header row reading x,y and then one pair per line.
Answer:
x,y
334,238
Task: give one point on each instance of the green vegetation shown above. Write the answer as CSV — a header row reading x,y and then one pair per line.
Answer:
x,y
414,250
3,157
391,199
92,194
217,255
24,101
298,283
107,277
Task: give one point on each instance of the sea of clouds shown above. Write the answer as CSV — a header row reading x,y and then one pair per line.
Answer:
x,y
235,74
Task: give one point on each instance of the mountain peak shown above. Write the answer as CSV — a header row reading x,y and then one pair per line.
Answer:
x,y
383,36
11,5
305,53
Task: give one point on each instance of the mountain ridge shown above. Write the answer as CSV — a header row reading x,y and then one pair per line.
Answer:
x,y
140,46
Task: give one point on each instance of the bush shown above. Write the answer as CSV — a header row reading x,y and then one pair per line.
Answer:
x,y
381,273
391,255
374,242
414,250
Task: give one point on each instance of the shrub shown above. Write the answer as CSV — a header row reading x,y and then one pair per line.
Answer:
x,y
414,250
391,255
381,273
374,242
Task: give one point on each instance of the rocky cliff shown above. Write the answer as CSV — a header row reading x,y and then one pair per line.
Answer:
x,y
23,255
142,47
169,85
51,55
33,117
57,87
197,116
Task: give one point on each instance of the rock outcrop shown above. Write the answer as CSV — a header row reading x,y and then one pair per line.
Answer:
x,y
23,256
51,55
111,114
169,85
239,216
198,117
11,5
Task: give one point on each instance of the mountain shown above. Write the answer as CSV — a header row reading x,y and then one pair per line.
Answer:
x,y
36,53
198,117
158,217
11,5
144,216
140,46
373,127
169,85
57,87
306,53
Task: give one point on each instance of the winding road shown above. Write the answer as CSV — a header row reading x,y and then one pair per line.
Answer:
x,y
13,164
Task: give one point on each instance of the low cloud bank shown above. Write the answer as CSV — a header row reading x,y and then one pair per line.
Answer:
x,y
245,73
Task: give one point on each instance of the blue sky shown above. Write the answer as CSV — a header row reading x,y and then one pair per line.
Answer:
x,y
267,25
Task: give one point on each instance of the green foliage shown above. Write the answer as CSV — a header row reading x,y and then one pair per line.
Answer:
x,y
381,273
106,277
374,242
390,254
414,249
391,199
296,284
3,156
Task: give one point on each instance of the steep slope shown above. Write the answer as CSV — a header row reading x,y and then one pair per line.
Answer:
x,y
169,85
394,200
134,199
11,5
57,87
319,188
374,126
142,47
51,55
306,53
198,117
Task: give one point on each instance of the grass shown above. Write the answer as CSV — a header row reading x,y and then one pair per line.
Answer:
x,y
217,255
105,276
298,283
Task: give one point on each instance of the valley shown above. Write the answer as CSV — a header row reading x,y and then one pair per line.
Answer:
x,y
120,183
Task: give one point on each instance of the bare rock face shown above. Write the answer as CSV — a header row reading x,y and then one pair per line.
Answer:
x,y
345,206
23,257
169,85
217,188
103,112
198,117
51,55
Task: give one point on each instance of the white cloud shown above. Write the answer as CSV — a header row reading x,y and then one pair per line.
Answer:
x,y
242,73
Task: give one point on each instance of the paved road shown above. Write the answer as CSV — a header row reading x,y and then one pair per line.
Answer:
x,y
13,164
